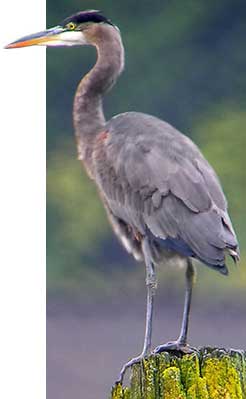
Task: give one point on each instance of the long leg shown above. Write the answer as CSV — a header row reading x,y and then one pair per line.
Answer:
x,y
181,343
151,284
190,279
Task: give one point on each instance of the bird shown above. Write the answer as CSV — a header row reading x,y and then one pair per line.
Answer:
x,y
163,199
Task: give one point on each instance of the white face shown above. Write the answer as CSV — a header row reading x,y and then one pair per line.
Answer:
x,y
70,38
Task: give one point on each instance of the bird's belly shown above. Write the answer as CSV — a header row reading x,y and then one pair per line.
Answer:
x,y
131,236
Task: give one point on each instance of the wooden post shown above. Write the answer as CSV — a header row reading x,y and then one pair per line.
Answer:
x,y
211,373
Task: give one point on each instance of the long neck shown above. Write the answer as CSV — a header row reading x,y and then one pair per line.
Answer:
x,y
88,113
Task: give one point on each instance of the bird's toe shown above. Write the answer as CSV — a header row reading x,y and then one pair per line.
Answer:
x,y
175,346
129,364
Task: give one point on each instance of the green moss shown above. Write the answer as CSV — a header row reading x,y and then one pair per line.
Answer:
x,y
213,374
172,384
117,392
198,389
150,375
136,381
223,381
190,369
127,393
195,386
163,361
238,358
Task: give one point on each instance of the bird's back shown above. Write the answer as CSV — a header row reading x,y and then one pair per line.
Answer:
x,y
155,181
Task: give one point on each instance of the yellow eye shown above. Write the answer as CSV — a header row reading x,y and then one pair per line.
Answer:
x,y
71,26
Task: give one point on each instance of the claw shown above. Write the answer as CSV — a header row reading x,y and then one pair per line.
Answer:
x,y
131,362
174,346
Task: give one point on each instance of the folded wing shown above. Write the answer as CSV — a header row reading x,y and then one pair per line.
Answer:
x,y
156,181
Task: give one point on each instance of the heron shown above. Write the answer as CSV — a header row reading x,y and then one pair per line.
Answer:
x,y
162,198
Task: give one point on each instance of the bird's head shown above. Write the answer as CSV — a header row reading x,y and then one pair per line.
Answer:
x,y
78,29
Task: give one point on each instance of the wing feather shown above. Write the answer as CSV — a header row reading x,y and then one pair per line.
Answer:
x,y
153,177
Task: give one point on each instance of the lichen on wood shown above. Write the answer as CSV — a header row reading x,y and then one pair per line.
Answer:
x,y
210,373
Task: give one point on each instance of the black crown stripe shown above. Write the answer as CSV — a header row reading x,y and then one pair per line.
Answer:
x,y
86,16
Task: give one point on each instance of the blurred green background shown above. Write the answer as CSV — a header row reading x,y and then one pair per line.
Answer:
x,y
185,63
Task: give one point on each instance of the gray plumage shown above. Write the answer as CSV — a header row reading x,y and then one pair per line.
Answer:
x,y
162,197
156,181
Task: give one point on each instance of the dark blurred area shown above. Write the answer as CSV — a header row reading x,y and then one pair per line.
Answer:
x,y
185,63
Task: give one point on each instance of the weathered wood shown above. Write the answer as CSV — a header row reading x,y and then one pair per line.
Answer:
x,y
211,373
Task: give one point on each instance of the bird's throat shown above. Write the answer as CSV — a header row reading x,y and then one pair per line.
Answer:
x,y
88,112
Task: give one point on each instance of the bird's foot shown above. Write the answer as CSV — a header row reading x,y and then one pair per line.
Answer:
x,y
176,346
126,366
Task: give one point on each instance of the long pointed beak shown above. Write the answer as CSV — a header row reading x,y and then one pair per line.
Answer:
x,y
48,37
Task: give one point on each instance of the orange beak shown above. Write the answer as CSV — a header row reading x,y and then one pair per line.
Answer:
x,y
48,37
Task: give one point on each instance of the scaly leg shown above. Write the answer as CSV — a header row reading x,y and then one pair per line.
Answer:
x,y
181,343
151,284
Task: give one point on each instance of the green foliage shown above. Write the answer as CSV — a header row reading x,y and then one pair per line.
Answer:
x,y
221,135
74,202
75,217
185,64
